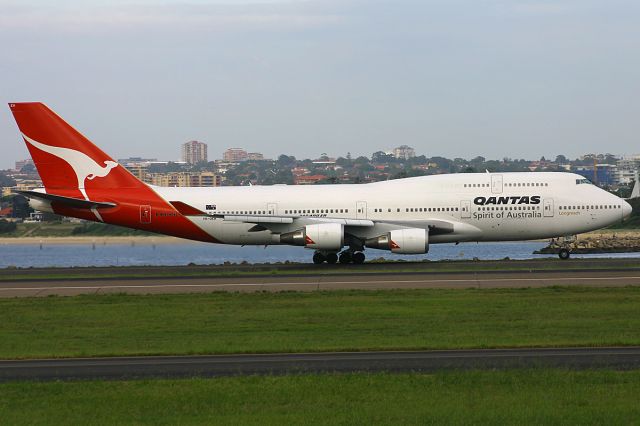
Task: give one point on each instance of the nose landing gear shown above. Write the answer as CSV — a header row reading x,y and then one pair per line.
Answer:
x,y
565,247
564,253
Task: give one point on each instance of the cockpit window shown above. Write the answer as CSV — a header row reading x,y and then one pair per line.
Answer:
x,y
583,181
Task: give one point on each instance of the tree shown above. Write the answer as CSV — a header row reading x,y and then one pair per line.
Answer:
x,y
403,174
285,160
6,180
21,207
443,163
561,159
362,160
341,161
381,157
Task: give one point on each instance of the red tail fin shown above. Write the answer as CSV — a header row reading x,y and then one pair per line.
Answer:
x,y
73,168
67,162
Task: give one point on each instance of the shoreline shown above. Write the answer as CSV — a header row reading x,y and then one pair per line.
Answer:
x,y
162,239
97,240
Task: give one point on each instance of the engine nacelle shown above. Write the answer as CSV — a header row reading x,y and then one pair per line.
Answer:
x,y
40,205
323,236
402,241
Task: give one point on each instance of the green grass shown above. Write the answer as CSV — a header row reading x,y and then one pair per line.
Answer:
x,y
475,397
318,321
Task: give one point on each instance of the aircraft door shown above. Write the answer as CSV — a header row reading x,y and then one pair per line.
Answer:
x,y
361,210
465,209
548,207
145,214
496,184
272,209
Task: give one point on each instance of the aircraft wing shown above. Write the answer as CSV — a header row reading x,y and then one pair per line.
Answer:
x,y
435,226
264,222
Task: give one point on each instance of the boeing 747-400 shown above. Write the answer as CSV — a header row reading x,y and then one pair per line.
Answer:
x,y
337,221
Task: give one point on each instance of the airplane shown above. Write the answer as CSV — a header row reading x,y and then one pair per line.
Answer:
x,y
338,222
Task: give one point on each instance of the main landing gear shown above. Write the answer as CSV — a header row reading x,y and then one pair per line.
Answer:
x,y
344,257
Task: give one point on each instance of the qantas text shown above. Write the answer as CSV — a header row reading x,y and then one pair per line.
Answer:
x,y
484,201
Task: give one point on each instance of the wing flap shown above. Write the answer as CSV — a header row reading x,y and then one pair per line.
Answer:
x,y
289,220
258,219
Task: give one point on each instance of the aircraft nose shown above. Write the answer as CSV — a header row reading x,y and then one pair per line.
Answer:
x,y
626,210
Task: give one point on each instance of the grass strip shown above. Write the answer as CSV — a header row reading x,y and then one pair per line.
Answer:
x,y
110,325
472,397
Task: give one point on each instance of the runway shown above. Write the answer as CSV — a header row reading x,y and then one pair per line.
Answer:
x,y
191,284
228,365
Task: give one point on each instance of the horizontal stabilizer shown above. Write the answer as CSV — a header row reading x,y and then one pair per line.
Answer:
x,y
76,203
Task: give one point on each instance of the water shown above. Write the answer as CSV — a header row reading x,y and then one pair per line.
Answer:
x,y
147,253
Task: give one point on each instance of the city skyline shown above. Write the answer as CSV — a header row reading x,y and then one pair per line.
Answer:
x,y
224,156
454,79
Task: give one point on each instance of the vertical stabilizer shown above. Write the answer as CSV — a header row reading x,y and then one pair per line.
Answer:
x,y
68,163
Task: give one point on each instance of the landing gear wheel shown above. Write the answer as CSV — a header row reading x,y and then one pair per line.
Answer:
x,y
358,258
318,258
332,258
564,254
345,257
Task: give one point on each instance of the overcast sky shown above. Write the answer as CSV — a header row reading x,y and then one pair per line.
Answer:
x,y
456,78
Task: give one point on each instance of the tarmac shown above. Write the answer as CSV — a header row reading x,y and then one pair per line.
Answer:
x,y
621,358
252,278
26,283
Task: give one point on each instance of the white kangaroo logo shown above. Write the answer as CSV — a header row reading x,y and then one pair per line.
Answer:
x,y
83,165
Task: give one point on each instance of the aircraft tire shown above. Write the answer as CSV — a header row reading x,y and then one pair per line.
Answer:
x,y
564,254
345,257
332,258
358,258
318,258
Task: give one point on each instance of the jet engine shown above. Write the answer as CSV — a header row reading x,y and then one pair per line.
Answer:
x,y
323,236
41,205
403,241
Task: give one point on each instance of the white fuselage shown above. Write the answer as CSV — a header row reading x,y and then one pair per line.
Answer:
x,y
477,206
